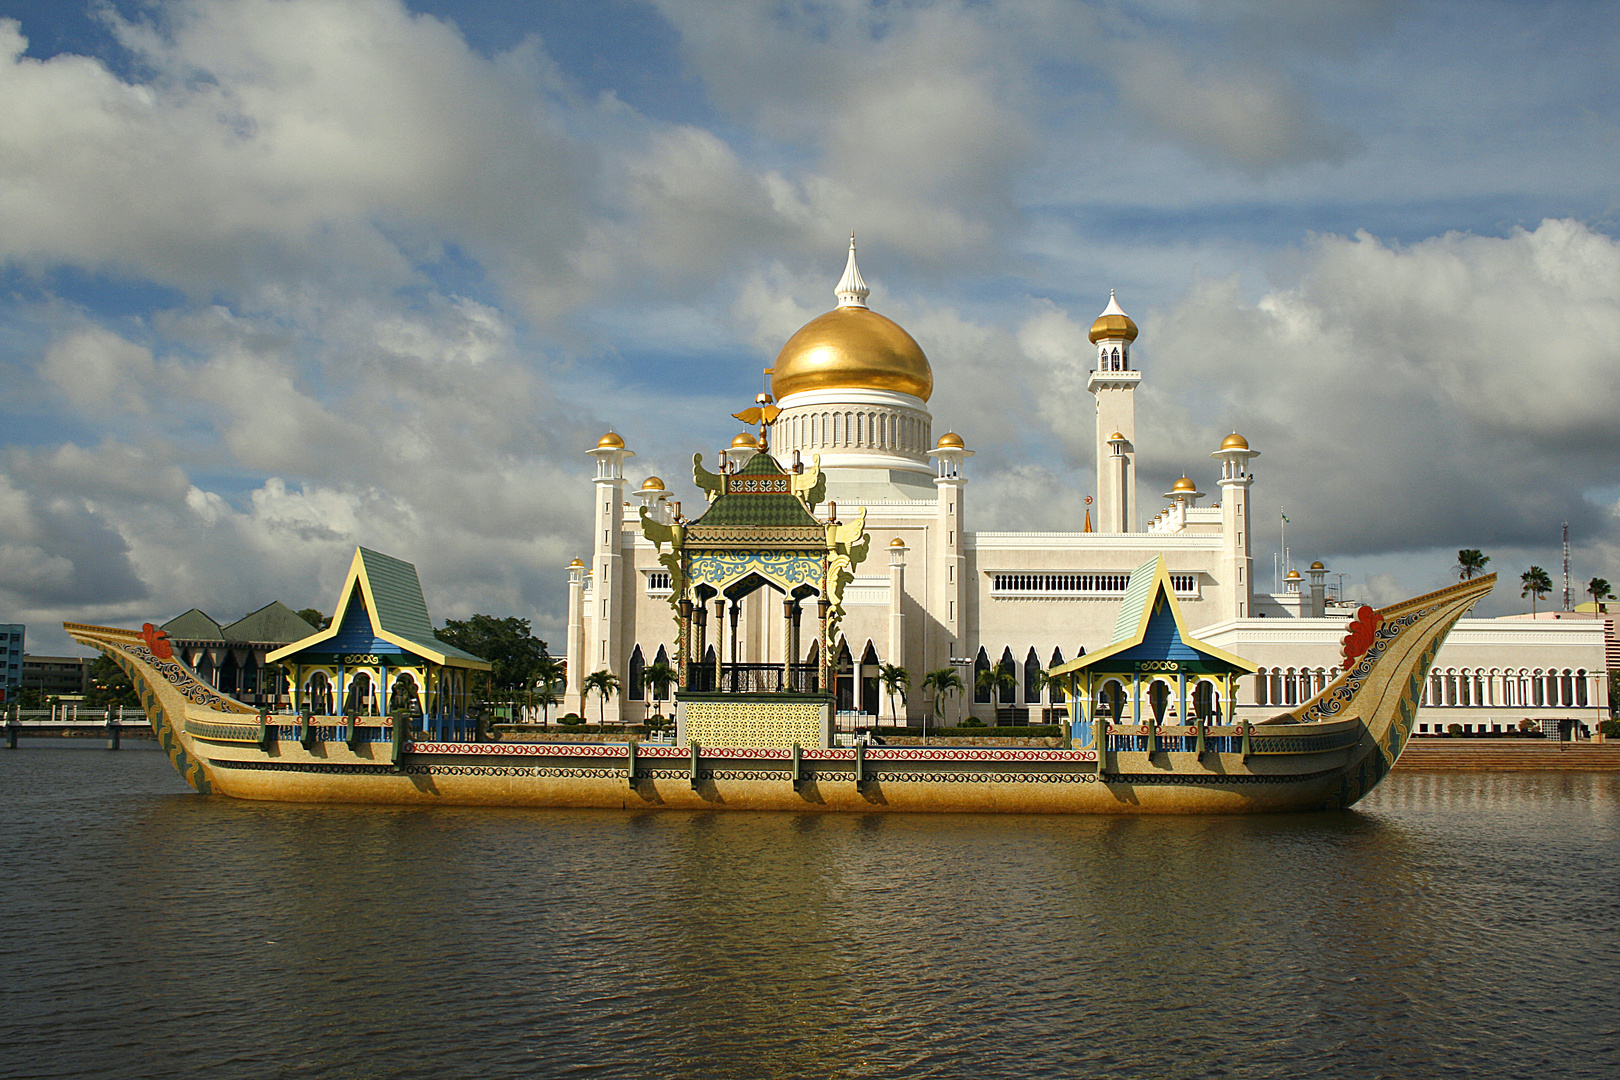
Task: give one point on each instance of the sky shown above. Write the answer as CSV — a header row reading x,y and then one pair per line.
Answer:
x,y
280,277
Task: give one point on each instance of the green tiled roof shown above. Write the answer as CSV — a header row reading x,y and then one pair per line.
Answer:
x,y
401,608
274,622
194,625
772,510
1138,594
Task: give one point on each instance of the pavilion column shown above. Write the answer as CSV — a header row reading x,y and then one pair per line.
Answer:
x,y
683,651
824,652
736,616
719,639
1181,690
795,655
789,607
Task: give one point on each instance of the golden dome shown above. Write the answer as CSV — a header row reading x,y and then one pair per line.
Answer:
x,y
1292,575
1183,484
745,439
1113,323
652,483
851,347
1234,441
897,542
610,441
577,562
1317,565
949,441
1117,437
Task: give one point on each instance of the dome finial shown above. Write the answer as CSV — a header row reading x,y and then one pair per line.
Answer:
x,y
852,290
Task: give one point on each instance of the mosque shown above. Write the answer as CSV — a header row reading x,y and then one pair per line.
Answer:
x,y
849,429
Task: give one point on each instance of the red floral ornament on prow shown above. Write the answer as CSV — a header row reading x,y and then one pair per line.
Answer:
x,y
1363,629
157,640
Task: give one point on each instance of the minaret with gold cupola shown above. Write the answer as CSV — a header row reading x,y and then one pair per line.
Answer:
x,y
608,584
1237,568
1113,383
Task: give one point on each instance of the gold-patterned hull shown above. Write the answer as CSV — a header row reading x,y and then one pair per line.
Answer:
x,y
1326,754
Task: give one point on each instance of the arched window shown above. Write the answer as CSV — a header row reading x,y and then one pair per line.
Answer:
x,y
661,693
1580,688
403,697
981,695
1007,692
1204,700
318,694
1055,687
1116,361
1158,696
357,701
1111,700
1032,676
636,690
846,678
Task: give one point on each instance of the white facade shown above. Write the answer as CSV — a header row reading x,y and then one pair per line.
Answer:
x,y
952,588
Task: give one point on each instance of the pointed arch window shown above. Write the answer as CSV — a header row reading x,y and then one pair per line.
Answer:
x,y
1032,676
661,693
1007,692
1055,687
637,689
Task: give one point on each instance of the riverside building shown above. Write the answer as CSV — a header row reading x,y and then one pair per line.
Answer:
x,y
935,586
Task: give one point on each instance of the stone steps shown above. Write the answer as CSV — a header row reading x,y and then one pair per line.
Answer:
x,y
1509,756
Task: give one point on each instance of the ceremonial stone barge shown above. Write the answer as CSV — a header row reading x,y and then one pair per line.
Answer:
x,y
752,739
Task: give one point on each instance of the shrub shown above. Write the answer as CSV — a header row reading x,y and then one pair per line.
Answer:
x,y
972,721
572,719
1610,729
1454,730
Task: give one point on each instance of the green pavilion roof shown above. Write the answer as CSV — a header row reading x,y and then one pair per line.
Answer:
x,y
381,605
1150,630
193,625
760,493
273,622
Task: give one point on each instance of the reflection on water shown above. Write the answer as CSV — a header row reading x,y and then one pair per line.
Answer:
x,y
1454,925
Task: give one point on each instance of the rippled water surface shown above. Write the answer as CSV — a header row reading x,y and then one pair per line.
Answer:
x,y
1453,925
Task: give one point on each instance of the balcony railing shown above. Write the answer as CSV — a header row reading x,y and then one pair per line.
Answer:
x,y
756,679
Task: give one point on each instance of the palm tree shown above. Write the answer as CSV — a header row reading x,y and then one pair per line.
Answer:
x,y
1598,590
992,679
895,680
546,697
1471,561
943,682
1536,586
658,677
602,683
1043,679
548,672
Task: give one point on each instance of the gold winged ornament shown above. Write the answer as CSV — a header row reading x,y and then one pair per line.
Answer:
x,y
712,484
810,485
674,535
759,414
847,547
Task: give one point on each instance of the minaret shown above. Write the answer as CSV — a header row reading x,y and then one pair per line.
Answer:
x,y
607,563
1113,382
950,560
575,646
1237,569
897,603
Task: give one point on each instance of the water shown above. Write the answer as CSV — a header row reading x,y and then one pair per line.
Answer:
x,y
1454,925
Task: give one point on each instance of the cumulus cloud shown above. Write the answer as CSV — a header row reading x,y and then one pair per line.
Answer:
x,y
1408,397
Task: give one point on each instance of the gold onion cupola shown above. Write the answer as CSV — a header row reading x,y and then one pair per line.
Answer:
x,y
851,347
1113,323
